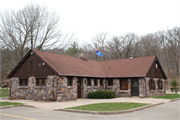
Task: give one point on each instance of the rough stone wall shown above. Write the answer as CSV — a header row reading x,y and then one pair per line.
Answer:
x,y
87,89
95,88
47,92
23,92
161,91
39,93
142,87
64,92
157,91
56,78
14,89
115,87
31,85
56,87
103,87
129,88
147,86
125,93
164,86
84,89
33,92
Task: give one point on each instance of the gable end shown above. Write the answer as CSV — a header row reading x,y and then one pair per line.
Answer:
x,y
156,70
32,65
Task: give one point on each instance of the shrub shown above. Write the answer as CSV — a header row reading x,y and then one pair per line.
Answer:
x,y
101,95
174,85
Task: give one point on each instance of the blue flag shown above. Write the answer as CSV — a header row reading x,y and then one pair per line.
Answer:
x,y
99,53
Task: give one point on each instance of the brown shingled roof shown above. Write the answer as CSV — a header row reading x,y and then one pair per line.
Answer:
x,y
66,65
72,66
135,67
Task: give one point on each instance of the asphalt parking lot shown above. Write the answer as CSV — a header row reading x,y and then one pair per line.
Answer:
x,y
167,111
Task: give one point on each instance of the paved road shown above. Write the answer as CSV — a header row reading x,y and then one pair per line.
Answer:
x,y
168,111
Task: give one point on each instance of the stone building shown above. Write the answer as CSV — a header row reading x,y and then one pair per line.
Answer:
x,y
47,76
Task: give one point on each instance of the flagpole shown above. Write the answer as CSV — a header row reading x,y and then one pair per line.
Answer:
x,y
96,49
97,52
96,56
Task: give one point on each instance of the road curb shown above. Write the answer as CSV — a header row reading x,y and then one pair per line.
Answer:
x,y
175,99
108,112
9,106
28,105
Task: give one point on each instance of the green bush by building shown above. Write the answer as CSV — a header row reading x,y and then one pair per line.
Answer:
x,y
102,95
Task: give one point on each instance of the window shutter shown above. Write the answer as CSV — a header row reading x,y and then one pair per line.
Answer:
x,y
124,84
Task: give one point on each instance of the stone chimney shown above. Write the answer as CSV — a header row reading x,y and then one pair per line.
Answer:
x,y
83,56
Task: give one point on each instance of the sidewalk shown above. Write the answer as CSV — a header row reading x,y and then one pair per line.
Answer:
x,y
169,92
78,102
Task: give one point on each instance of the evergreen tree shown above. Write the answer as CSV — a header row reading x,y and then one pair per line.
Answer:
x,y
73,49
174,85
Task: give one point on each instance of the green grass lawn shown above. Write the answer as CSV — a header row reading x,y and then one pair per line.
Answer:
x,y
10,103
108,106
4,92
169,96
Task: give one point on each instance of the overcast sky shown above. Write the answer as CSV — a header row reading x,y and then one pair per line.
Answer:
x,y
86,18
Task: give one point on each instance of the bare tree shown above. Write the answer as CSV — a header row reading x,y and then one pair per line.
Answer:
x,y
173,42
89,50
122,46
170,53
32,27
149,45
101,40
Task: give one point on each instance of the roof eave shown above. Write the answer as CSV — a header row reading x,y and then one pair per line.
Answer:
x,y
16,67
161,69
102,76
139,76
49,66
81,75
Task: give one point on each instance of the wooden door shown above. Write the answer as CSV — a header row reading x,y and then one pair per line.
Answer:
x,y
135,87
79,88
